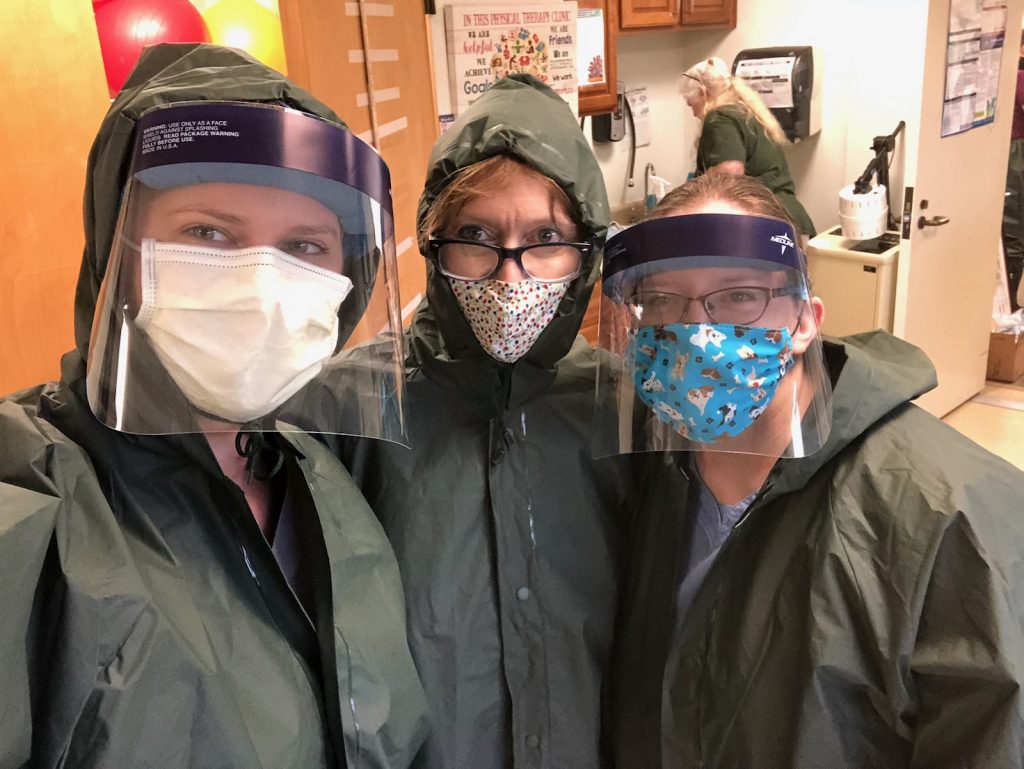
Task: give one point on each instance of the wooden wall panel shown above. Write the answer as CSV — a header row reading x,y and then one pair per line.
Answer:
x,y
55,95
326,54
407,125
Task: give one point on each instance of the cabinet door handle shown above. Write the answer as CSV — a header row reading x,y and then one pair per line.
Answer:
x,y
935,221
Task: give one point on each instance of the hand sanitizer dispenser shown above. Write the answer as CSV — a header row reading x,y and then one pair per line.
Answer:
x,y
788,80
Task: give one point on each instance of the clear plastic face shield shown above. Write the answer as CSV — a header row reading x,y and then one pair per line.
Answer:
x,y
254,249
714,340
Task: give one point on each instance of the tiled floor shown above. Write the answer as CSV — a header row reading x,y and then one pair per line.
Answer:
x,y
994,418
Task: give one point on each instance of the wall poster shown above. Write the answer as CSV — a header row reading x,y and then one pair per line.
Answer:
x,y
977,29
488,42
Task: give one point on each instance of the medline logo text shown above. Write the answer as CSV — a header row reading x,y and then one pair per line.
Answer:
x,y
783,240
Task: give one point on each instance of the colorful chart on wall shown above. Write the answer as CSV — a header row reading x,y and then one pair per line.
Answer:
x,y
486,43
125,27
977,30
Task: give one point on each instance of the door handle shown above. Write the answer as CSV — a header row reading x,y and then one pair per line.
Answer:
x,y
934,221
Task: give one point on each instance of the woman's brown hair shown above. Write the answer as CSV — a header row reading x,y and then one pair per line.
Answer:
x,y
744,192
484,178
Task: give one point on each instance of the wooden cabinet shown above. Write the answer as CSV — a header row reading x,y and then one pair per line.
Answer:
x,y
707,13
642,14
639,15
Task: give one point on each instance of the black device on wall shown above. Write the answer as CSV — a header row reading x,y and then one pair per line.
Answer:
x,y
803,117
611,126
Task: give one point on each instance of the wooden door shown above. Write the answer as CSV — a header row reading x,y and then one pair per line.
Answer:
x,y
708,13
370,62
641,14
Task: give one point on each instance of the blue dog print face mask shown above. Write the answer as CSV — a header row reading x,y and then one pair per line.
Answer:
x,y
709,382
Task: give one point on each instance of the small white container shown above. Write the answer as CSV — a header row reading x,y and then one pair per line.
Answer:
x,y
863,216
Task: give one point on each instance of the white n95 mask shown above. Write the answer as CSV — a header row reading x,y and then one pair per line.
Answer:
x,y
239,331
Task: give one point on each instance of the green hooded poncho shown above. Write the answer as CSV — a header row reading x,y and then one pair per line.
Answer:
x,y
146,622
866,612
507,531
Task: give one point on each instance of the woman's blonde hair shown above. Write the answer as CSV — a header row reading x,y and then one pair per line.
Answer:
x,y
723,89
487,177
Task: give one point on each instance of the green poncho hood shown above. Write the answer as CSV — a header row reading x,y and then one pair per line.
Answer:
x,y
520,117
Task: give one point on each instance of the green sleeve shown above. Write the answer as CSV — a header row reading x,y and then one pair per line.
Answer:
x,y
968,658
62,558
29,505
721,139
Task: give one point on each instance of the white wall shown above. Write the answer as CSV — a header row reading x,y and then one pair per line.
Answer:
x,y
819,163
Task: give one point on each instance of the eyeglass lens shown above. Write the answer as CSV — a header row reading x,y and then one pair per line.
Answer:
x,y
729,305
480,261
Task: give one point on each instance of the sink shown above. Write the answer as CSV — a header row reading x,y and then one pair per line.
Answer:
x,y
628,213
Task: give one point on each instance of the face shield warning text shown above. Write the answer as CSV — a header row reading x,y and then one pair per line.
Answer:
x,y
168,136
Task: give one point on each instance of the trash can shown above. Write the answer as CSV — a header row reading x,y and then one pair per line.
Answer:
x,y
856,279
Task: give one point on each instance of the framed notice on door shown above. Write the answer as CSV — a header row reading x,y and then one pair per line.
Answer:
x,y
597,24
977,30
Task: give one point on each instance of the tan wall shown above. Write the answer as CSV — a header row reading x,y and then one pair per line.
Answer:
x,y
55,94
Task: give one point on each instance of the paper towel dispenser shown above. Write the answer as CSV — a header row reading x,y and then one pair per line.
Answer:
x,y
788,79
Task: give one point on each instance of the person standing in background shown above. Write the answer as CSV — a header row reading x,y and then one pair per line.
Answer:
x,y
1013,205
508,533
739,135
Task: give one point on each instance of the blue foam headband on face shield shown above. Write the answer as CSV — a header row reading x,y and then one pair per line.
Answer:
x,y
698,240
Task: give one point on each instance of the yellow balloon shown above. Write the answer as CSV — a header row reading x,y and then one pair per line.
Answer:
x,y
247,25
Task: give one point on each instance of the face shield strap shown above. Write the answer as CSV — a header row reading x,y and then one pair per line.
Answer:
x,y
263,460
697,240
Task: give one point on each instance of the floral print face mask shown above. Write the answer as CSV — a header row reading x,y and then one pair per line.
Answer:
x,y
507,318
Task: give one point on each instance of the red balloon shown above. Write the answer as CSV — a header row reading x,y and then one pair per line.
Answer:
x,y
127,26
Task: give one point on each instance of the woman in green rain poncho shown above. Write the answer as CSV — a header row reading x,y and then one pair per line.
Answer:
x,y
189,579
821,573
507,531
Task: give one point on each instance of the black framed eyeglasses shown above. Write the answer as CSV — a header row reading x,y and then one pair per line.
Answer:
x,y
740,305
472,260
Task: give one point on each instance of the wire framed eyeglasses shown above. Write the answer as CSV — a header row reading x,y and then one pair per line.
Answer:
x,y
739,305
